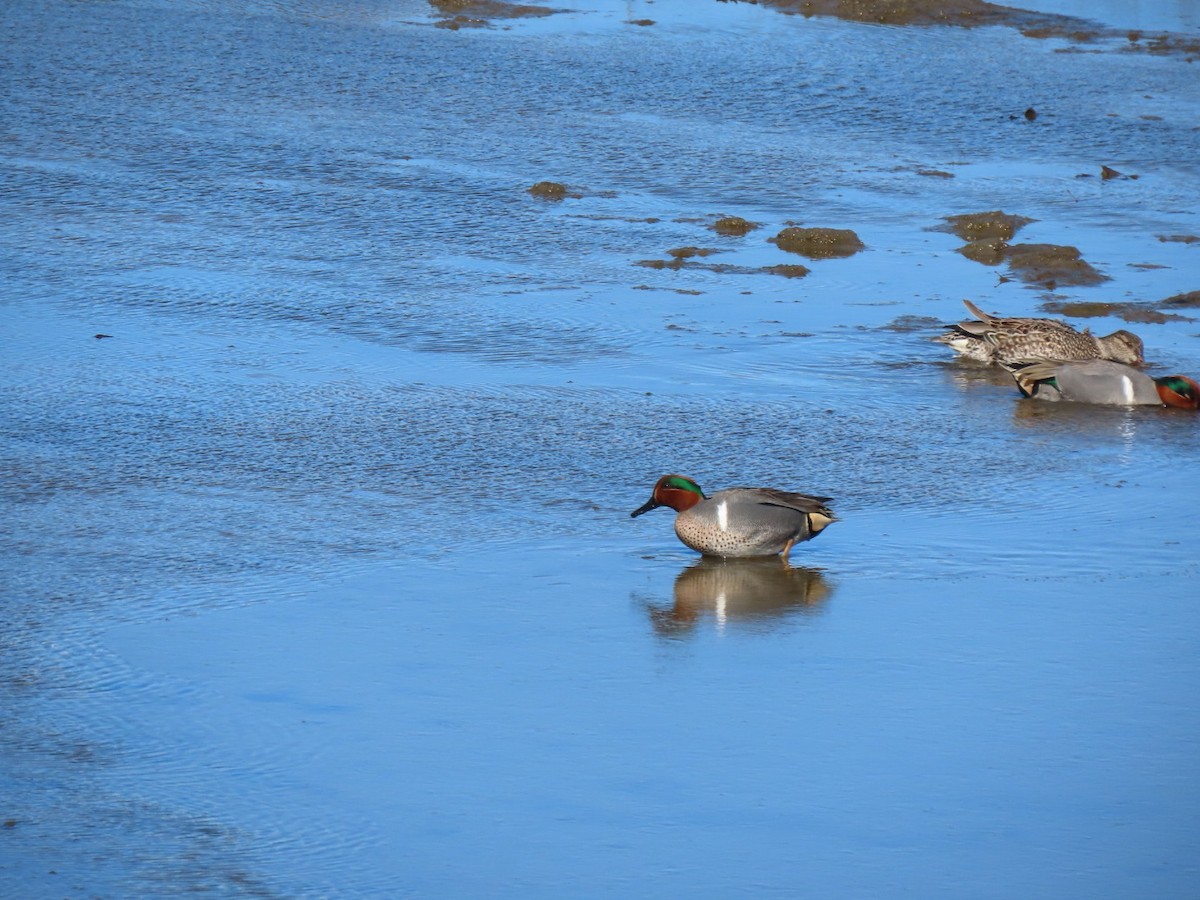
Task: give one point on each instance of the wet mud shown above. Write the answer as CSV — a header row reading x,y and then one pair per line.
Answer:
x,y
1161,44
977,13
1051,266
787,270
987,234
1048,266
957,13
1145,312
457,14
680,257
993,225
686,261
733,226
818,243
552,190
1186,300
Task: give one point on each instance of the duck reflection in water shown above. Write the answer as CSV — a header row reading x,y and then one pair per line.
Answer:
x,y
762,591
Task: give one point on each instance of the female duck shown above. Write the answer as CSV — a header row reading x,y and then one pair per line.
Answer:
x,y
1102,381
740,521
993,339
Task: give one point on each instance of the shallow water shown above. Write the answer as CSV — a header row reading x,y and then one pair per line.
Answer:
x,y
319,573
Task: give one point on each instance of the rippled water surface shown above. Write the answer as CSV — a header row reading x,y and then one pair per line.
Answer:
x,y
320,436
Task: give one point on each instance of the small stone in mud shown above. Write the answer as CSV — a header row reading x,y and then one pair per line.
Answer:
x,y
787,271
549,190
818,243
1030,114
1106,173
977,226
935,173
1179,238
642,22
101,337
735,226
1051,265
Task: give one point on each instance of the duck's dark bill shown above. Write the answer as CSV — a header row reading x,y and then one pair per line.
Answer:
x,y
645,507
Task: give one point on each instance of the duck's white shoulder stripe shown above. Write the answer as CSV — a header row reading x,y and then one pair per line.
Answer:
x,y
723,515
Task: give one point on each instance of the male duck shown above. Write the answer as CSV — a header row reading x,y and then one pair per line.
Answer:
x,y
1102,381
993,339
740,521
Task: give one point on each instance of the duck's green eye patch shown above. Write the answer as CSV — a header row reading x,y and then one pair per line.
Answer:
x,y
683,484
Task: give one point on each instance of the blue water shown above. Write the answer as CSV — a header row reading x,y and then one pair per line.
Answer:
x,y
318,573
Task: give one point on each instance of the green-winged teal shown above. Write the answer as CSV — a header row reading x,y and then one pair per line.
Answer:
x,y
740,521
1102,381
993,339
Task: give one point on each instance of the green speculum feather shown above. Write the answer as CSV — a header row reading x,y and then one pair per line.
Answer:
x,y
1051,382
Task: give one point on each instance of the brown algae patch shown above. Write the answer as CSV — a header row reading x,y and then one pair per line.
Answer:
x,y
1051,265
901,12
977,13
1165,43
680,258
685,260
818,243
689,252
490,9
676,263
989,251
454,23
910,324
1178,238
958,13
733,226
1142,313
479,13
552,190
787,271
1189,300
985,225
987,234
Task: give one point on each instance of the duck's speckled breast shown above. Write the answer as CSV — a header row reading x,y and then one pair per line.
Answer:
x,y
727,524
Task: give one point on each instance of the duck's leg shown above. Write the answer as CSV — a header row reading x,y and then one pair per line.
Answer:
x,y
787,548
